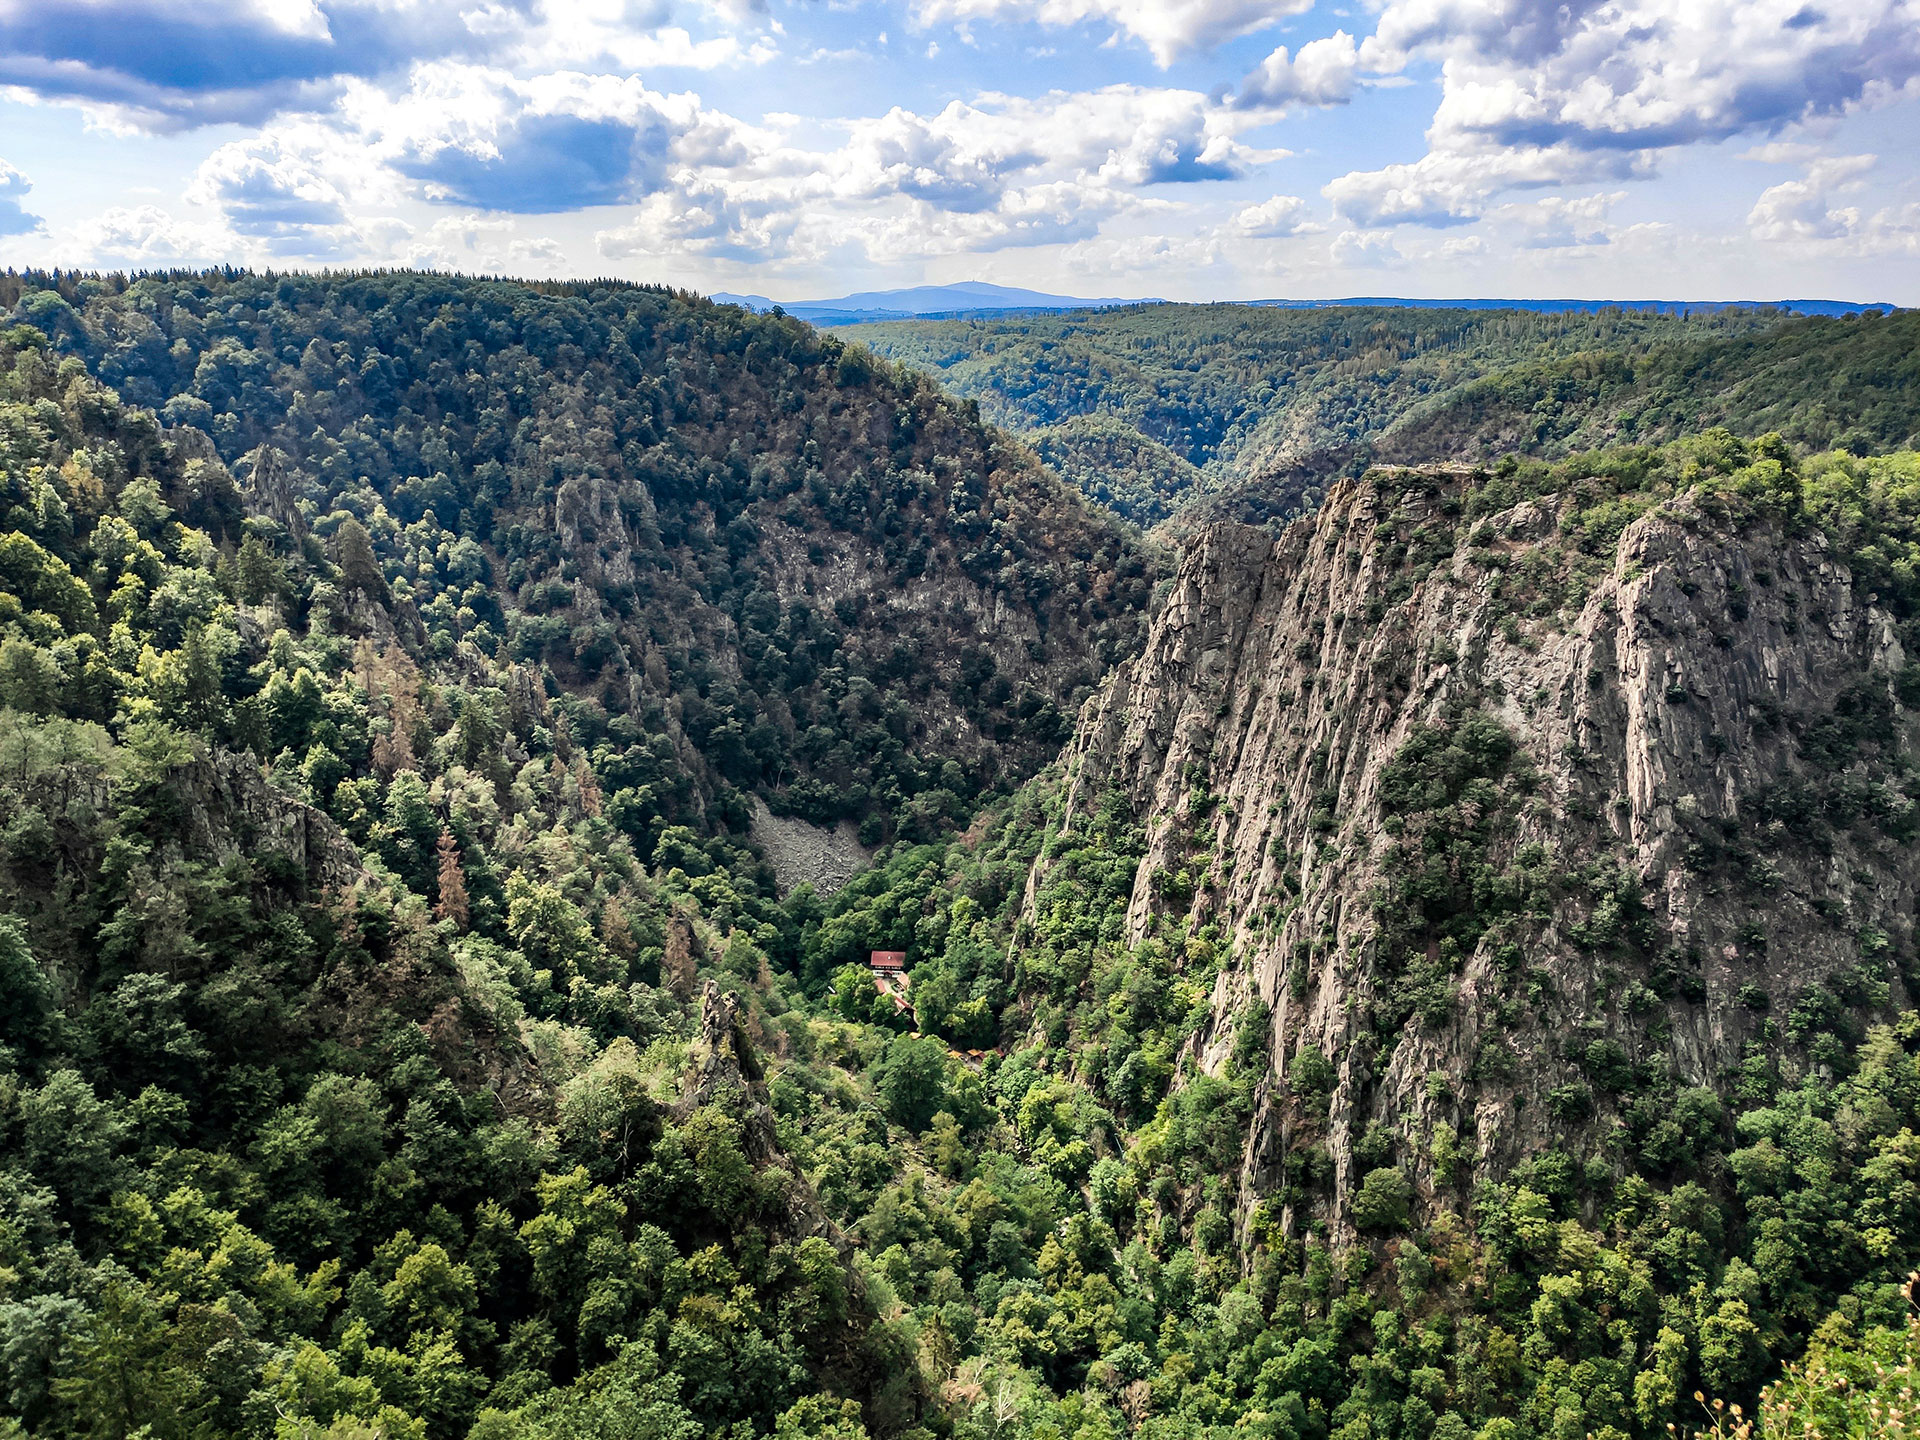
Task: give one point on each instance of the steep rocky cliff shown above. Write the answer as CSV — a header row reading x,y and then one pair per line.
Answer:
x,y
1539,821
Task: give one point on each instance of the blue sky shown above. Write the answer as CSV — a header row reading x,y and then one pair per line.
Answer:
x,y
1198,149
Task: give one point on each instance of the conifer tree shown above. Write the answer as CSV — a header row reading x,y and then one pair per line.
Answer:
x,y
359,567
452,904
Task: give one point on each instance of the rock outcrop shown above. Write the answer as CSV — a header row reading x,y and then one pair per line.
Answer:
x,y
230,810
1690,843
726,1074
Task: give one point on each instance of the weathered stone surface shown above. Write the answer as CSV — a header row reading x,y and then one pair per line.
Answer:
x,y
1655,712
726,1074
803,854
232,811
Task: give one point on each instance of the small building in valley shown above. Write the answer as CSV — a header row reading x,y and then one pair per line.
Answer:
x,y
889,969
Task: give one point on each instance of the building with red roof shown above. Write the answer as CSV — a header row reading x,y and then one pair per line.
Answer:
x,y
890,977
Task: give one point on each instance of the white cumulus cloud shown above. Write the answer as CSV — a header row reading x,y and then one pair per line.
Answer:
x,y
1322,73
1273,219
146,235
1561,92
1168,28
1365,249
988,173
1452,187
1559,222
1809,208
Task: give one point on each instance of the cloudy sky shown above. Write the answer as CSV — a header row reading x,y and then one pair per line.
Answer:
x,y
1193,149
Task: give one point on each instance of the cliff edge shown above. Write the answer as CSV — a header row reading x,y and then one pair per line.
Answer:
x,y
1521,825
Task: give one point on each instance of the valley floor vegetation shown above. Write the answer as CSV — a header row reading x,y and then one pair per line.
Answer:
x,y
353,1080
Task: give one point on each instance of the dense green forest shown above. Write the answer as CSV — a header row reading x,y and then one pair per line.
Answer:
x,y
1252,411
800,571
1237,391
399,1036
1821,382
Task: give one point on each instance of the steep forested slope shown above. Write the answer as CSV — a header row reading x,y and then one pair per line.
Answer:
x,y
1851,382
360,874
816,578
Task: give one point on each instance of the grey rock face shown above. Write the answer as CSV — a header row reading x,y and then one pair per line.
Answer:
x,y
804,854
1665,712
232,811
726,1073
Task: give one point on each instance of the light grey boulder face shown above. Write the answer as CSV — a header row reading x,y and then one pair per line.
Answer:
x,y
1695,820
803,854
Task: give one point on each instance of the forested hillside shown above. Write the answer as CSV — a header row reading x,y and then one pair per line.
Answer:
x,y
805,574
376,720
401,1037
1237,392
1248,414
1851,382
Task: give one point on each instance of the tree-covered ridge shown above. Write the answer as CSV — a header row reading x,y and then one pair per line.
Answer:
x,y
1269,406
1118,467
1243,392
1818,382
358,1078
807,573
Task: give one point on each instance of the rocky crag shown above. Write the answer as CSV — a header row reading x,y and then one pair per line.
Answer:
x,y
726,1072
1520,825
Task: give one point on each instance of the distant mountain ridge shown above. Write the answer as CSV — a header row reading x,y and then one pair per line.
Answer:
x,y
1587,307
979,298
919,301
1149,407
